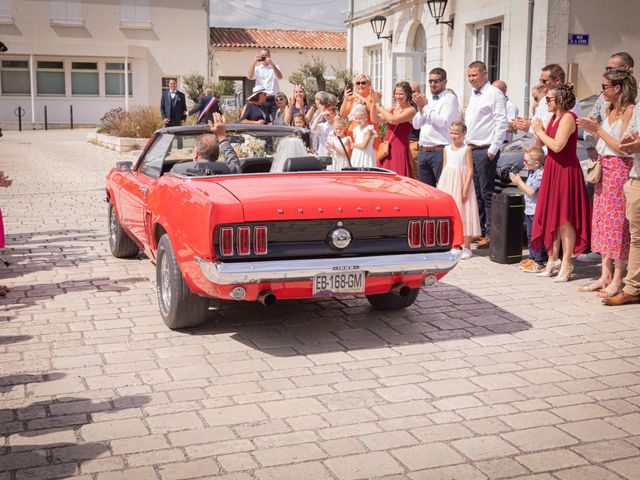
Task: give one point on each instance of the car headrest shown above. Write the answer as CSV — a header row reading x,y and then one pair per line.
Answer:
x,y
210,168
302,164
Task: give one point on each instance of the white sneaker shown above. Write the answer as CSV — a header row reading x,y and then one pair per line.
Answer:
x,y
466,254
593,257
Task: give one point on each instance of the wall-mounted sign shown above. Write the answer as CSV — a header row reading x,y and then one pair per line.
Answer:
x,y
578,39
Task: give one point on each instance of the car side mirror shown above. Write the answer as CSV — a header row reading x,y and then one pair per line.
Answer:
x,y
124,166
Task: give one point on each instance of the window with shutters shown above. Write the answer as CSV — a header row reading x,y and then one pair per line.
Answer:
x,y
84,78
114,79
14,77
66,13
50,77
375,67
135,14
6,12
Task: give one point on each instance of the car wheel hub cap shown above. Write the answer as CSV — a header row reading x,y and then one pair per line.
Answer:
x,y
341,238
112,228
165,282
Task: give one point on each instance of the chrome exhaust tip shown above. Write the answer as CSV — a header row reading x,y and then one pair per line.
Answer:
x,y
401,289
267,298
429,280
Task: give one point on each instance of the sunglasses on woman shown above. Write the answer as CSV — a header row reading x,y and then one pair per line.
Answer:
x,y
362,83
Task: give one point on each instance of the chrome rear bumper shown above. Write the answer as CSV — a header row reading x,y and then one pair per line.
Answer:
x,y
296,270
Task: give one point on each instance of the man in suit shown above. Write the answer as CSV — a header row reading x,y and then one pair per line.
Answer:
x,y
205,108
173,106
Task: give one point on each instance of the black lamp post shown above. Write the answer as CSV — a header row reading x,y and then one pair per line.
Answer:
x,y
377,23
436,9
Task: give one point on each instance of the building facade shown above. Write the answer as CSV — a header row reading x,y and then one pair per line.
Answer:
x,y
234,49
87,53
496,32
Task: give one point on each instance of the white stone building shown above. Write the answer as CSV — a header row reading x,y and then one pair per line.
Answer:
x,y
496,32
85,53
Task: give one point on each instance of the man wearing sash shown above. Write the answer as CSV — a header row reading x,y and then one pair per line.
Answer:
x,y
207,105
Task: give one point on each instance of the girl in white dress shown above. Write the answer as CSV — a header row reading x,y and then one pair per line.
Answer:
x,y
457,180
363,135
334,147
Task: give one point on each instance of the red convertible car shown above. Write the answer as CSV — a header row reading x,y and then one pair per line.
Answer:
x,y
260,235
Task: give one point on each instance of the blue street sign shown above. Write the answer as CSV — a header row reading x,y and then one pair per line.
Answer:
x,y
578,39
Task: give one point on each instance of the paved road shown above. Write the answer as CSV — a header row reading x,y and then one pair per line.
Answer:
x,y
492,374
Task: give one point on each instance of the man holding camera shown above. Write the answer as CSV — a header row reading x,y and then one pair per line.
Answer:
x,y
266,74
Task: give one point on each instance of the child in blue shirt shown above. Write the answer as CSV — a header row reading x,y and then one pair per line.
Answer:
x,y
534,162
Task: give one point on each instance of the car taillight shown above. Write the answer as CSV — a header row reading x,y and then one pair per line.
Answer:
x,y
226,241
244,240
413,234
429,233
444,232
260,240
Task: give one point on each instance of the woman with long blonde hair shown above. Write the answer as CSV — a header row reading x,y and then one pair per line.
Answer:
x,y
359,94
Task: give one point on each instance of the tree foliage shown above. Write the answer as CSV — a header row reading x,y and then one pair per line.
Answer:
x,y
312,75
222,87
193,85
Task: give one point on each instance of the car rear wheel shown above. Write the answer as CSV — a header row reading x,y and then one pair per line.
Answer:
x,y
179,307
390,301
120,243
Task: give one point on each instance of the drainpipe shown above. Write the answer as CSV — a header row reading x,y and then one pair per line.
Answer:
x,y
32,81
351,38
527,64
126,83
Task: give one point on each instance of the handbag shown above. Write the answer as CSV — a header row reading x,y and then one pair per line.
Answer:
x,y
594,172
383,150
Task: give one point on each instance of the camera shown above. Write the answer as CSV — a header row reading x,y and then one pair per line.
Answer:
x,y
504,173
262,58
349,86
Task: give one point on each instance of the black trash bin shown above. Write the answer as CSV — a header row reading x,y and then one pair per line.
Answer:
x,y
507,223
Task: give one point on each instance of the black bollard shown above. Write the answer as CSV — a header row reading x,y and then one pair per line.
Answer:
x,y
71,115
46,125
19,112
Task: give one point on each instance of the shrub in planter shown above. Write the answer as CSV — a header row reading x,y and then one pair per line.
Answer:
x,y
139,122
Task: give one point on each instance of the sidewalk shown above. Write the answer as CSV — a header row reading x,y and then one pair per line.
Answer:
x,y
493,373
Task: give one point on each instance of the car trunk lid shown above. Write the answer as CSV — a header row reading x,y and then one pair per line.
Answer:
x,y
327,195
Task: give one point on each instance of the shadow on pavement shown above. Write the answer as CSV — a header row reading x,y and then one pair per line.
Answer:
x,y
43,438
300,327
23,297
8,339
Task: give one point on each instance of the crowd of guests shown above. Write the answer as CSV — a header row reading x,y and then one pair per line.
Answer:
x,y
429,138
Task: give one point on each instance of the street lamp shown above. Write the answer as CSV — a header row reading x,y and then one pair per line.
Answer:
x,y
436,9
377,23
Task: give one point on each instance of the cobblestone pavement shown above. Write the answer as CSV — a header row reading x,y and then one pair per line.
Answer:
x,y
492,374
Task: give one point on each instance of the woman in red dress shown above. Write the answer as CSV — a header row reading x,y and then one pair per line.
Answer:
x,y
563,211
399,126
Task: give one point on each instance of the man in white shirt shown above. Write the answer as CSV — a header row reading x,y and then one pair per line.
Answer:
x,y
551,76
630,143
486,119
512,110
266,74
436,112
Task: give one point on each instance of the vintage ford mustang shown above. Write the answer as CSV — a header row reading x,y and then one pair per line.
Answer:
x,y
302,232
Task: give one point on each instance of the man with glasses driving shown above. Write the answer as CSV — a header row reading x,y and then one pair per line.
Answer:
x,y
437,110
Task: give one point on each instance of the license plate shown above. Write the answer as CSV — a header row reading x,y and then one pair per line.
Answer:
x,y
346,281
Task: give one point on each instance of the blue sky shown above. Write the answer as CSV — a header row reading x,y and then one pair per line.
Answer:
x,y
285,14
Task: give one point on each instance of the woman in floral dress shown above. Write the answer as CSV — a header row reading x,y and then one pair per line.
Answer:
x,y
610,228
